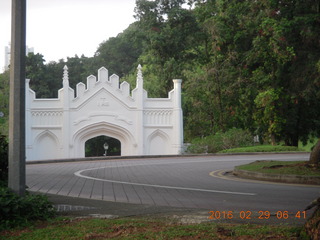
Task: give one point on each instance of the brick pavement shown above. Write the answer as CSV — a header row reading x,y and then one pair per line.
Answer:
x,y
144,186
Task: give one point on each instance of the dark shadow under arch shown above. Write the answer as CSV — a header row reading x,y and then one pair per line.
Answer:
x,y
94,147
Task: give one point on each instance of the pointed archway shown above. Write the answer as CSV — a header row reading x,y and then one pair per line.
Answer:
x,y
128,145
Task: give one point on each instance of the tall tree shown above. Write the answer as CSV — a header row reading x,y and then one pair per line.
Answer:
x,y
315,155
284,59
120,54
4,102
35,71
271,76
171,34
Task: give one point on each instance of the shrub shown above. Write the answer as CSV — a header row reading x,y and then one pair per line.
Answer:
x,y
15,210
220,141
19,211
237,138
3,160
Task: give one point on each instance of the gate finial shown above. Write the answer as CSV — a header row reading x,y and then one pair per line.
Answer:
x,y
65,76
139,77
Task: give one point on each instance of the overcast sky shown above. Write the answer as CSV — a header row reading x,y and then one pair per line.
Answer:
x,y
62,28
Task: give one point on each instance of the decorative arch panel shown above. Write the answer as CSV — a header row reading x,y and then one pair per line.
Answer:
x,y
46,146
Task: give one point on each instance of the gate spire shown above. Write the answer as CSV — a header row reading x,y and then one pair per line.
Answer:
x,y
139,77
65,77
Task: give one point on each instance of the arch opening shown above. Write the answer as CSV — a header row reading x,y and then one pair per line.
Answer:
x,y
127,141
102,145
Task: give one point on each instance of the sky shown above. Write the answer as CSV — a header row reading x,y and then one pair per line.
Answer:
x,y
62,28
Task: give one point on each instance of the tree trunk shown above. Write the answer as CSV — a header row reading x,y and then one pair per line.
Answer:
x,y
315,155
273,139
312,226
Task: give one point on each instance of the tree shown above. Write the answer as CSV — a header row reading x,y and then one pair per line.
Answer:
x,y
284,56
171,36
35,71
311,227
269,113
315,155
79,69
4,103
271,81
120,54
53,75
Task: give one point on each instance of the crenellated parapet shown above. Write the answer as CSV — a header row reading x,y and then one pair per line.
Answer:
x,y
59,127
93,83
110,83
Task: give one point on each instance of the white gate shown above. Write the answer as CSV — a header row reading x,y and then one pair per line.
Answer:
x,y
58,128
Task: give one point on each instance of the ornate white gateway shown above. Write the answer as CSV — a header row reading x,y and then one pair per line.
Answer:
x,y
59,128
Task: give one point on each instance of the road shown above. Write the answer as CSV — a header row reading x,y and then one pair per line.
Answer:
x,y
187,182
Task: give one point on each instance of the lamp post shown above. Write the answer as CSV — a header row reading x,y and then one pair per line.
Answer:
x,y
106,147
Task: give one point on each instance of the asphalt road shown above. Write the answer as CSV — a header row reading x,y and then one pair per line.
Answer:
x,y
183,182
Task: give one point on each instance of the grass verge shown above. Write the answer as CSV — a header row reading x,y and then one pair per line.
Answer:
x,y
263,148
148,229
281,167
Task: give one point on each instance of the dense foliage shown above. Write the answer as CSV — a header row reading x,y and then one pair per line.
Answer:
x,y
15,210
4,103
233,138
20,211
246,64
3,161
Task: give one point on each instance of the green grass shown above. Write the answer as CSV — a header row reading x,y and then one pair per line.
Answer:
x,y
281,167
263,148
143,228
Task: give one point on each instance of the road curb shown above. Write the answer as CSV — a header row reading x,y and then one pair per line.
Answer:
x,y
111,158
299,179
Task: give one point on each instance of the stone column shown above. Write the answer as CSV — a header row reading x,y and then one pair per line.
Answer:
x,y
28,121
17,146
140,111
177,117
66,114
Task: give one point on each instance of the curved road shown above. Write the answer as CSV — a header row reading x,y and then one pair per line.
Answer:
x,y
187,182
